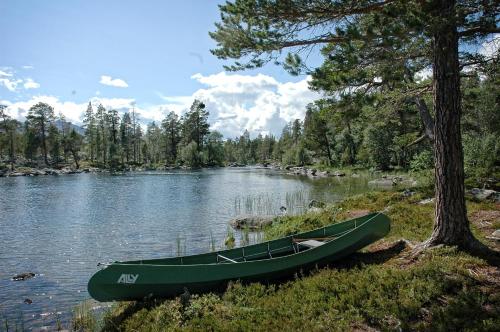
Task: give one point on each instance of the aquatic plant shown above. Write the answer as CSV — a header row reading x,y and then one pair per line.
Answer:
x,y
270,204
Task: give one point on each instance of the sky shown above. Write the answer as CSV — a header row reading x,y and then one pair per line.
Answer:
x,y
152,54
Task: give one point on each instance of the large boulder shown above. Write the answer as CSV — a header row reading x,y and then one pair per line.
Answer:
x,y
251,222
485,194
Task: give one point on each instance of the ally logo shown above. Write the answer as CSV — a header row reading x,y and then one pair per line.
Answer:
x,y
128,279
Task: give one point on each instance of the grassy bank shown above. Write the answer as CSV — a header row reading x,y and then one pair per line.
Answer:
x,y
383,287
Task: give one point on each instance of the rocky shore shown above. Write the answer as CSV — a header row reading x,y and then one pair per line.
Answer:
x,y
26,171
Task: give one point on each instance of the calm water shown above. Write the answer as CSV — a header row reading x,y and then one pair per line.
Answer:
x,y
60,227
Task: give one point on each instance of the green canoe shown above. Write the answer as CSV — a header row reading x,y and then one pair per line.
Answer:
x,y
264,262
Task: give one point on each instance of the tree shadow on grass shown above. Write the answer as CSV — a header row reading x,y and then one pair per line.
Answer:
x,y
379,256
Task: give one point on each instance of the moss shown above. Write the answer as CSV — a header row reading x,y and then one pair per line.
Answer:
x,y
444,289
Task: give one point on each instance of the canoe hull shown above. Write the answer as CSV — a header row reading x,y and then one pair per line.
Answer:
x,y
161,279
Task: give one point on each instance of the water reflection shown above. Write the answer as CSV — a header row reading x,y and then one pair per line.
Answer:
x,y
60,227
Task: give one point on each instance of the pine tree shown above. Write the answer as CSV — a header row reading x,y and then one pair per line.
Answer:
x,y
9,127
258,30
195,124
39,118
103,137
54,140
126,136
172,135
89,123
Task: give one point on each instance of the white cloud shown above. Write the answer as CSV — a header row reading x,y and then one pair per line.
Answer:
x,y
258,103
5,73
116,82
424,74
28,67
10,84
491,46
31,84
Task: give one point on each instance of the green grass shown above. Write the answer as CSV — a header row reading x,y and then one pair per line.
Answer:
x,y
381,287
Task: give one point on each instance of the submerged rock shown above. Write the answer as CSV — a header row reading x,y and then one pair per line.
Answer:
x,y
23,276
251,222
28,301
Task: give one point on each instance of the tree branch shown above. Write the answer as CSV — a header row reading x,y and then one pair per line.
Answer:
x,y
473,31
426,117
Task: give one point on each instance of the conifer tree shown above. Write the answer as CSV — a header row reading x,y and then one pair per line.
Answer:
x,y
39,118
258,30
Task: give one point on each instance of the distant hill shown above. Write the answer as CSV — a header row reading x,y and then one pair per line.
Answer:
x,y
59,124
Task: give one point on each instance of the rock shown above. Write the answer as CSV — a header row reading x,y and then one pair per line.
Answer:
x,y
28,301
495,235
314,210
23,276
323,174
485,194
37,172
426,201
354,175
316,204
338,173
51,171
408,193
236,165
252,222
16,174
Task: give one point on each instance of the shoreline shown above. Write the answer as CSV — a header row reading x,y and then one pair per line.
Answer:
x,y
386,266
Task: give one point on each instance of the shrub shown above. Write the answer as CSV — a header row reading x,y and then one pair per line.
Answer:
x,y
481,154
422,161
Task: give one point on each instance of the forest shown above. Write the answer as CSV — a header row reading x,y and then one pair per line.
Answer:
x,y
376,131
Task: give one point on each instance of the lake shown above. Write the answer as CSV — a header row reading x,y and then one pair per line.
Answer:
x,y
60,227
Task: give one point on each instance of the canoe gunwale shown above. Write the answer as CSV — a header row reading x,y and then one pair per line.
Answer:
x,y
335,238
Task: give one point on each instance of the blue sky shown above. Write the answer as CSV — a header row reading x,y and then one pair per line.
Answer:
x,y
153,53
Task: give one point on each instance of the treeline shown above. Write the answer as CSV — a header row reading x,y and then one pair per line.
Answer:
x,y
335,132
110,140
383,131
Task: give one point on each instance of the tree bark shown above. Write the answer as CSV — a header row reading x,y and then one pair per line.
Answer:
x,y
451,224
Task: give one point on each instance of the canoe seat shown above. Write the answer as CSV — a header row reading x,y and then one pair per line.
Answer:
x,y
311,243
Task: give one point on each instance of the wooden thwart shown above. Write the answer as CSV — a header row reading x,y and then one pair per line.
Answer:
x,y
297,240
311,243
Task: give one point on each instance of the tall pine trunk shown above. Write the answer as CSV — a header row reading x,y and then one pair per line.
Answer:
x,y
451,224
